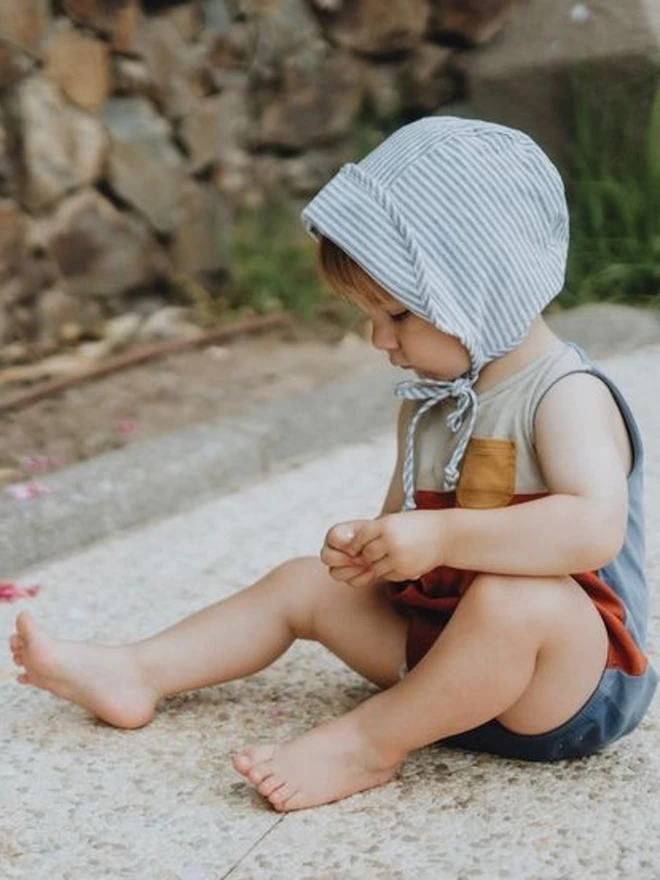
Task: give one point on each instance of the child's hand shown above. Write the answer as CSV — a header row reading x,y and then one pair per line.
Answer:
x,y
343,566
396,547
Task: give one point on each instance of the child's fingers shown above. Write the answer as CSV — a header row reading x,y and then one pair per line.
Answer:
x,y
374,551
384,570
341,535
336,558
345,573
364,579
364,533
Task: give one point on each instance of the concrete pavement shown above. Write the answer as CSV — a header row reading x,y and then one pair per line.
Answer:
x,y
79,799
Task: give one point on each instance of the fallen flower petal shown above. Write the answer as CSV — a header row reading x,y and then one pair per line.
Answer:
x,y
27,491
40,464
10,592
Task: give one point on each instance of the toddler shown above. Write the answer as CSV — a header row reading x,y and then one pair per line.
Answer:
x,y
498,600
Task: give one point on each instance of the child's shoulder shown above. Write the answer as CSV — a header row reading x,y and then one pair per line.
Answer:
x,y
582,401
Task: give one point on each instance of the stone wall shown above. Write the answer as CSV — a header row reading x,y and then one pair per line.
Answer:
x,y
130,133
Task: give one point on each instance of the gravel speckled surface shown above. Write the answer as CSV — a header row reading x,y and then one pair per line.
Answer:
x,y
79,799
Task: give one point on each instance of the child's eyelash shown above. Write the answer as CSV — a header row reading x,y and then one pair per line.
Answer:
x,y
399,316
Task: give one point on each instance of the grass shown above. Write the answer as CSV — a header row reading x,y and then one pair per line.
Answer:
x,y
273,265
272,269
614,193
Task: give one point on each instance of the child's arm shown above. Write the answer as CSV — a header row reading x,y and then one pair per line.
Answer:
x,y
584,454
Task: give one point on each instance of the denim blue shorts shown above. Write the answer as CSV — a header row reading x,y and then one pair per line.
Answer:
x,y
614,709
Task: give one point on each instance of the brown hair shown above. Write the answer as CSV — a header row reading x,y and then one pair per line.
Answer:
x,y
346,277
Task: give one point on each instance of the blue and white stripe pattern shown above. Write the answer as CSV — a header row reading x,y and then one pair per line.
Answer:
x,y
465,223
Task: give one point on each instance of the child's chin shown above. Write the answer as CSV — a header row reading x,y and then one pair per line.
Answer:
x,y
433,377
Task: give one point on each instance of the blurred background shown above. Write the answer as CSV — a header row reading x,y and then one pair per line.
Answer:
x,y
154,157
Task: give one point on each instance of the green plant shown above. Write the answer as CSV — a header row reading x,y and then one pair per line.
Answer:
x,y
273,263
614,194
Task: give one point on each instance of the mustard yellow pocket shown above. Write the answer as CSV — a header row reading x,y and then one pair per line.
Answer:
x,y
488,474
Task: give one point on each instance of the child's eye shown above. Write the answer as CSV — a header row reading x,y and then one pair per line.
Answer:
x,y
399,316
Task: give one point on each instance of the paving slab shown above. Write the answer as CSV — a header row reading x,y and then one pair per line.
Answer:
x,y
79,799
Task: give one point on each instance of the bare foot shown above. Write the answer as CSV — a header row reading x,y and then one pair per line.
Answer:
x,y
106,681
325,764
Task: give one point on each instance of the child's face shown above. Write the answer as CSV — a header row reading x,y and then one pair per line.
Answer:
x,y
413,343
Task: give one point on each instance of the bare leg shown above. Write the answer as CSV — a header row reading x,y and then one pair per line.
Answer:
x,y
528,651
231,639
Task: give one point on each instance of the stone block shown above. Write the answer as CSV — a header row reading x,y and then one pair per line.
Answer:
x,y
200,131
176,67
24,22
374,27
62,317
144,167
130,76
313,100
62,147
427,79
216,128
473,21
12,239
101,251
116,19
200,243
523,78
217,15
6,183
79,64
14,63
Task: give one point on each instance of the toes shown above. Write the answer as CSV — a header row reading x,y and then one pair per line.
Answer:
x,y
259,773
281,795
15,642
25,625
242,762
24,678
269,785
252,756
295,802
262,754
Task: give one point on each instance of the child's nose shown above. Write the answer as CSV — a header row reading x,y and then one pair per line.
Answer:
x,y
383,336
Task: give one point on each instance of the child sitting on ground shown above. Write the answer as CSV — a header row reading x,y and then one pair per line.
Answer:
x,y
499,599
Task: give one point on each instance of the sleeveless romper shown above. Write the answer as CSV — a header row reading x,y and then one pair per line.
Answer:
x,y
499,469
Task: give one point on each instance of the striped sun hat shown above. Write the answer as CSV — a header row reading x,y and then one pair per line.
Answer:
x,y
465,223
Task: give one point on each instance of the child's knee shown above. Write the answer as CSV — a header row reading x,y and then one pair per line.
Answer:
x,y
302,581
516,603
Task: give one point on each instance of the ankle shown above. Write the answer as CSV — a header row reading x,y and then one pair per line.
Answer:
x,y
384,753
147,668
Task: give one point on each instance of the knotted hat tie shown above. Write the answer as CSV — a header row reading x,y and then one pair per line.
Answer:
x,y
461,420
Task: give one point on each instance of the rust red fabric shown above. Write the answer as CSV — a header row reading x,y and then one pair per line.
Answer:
x,y
429,602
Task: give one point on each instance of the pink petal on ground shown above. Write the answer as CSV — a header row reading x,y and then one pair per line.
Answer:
x,y
27,491
40,464
127,427
10,592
